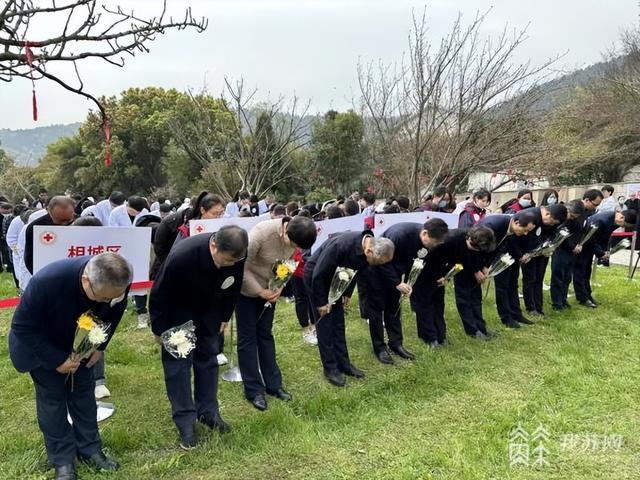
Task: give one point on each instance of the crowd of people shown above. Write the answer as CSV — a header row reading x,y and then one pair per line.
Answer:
x,y
206,278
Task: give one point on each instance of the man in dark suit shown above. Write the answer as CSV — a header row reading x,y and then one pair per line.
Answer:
x,y
355,250
467,247
565,256
598,245
508,229
41,341
385,284
199,281
549,217
60,211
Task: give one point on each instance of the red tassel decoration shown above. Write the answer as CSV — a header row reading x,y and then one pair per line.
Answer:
x,y
106,128
34,103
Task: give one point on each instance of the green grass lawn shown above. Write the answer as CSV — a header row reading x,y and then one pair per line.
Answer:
x,y
448,415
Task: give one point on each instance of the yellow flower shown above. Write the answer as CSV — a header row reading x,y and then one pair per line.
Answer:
x,y
282,271
458,267
85,322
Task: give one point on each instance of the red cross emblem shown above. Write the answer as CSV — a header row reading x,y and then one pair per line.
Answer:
x,y
381,221
48,238
199,229
319,230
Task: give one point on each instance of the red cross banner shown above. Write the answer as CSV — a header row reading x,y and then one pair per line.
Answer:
x,y
55,243
197,227
384,221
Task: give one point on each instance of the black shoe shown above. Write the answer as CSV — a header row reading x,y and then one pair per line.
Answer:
x,y
525,321
593,300
282,394
188,437
259,402
66,472
512,324
558,307
353,371
566,305
216,423
384,357
588,303
336,378
403,353
99,461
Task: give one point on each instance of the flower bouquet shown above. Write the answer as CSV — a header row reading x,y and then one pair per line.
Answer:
x,y
500,265
181,340
456,269
416,269
90,334
339,283
549,246
282,271
621,245
588,234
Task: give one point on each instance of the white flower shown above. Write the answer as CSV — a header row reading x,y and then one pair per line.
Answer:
x,y
179,337
97,335
183,349
343,276
418,263
422,253
563,232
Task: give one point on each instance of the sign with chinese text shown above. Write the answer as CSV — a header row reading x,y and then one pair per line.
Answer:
x,y
55,243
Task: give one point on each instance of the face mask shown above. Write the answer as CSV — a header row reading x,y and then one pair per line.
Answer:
x,y
443,204
524,203
552,201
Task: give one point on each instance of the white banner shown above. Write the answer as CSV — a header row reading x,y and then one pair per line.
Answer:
x,y
328,228
56,243
633,190
384,221
213,225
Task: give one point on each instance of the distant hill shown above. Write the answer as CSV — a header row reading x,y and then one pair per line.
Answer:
x,y
28,146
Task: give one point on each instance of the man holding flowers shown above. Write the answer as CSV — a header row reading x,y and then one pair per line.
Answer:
x,y
64,321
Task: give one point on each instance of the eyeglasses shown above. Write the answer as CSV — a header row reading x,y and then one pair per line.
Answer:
x,y
100,299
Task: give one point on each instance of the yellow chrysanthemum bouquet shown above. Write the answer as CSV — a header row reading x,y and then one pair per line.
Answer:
x,y
90,334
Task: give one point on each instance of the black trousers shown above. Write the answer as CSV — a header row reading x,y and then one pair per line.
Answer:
x,y
256,347
361,282
430,314
54,397
185,406
332,341
469,302
303,305
582,275
532,282
383,311
562,264
507,299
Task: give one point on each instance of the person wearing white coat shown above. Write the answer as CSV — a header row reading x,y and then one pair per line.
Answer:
x,y
103,209
127,216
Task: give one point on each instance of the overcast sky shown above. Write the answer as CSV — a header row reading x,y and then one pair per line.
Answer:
x,y
312,47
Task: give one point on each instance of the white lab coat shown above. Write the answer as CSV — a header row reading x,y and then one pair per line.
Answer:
x,y
102,211
120,217
22,273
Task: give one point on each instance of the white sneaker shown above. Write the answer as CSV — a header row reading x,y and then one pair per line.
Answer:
x,y
101,391
143,321
222,359
310,337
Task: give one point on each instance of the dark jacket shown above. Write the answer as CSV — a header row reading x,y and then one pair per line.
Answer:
x,y
576,229
606,223
343,250
471,215
189,287
44,324
406,239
